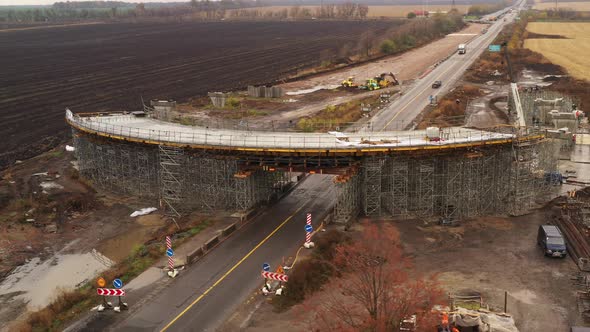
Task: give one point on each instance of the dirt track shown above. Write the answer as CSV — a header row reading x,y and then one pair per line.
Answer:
x,y
89,68
406,66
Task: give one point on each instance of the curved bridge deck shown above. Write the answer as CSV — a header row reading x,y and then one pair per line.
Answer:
x,y
150,131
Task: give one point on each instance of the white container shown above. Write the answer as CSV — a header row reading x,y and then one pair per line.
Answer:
x,y
432,132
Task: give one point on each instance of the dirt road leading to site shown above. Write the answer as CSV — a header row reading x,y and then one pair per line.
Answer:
x,y
406,66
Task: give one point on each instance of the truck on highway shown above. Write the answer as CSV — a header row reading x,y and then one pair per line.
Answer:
x,y
462,48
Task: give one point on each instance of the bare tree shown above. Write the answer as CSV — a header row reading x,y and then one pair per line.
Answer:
x,y
375,291
363,10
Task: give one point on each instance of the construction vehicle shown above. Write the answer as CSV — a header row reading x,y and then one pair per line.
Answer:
x,y
371,84
349,83
384,82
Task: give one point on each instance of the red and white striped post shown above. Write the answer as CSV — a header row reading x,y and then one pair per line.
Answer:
x,y
308,234
170,259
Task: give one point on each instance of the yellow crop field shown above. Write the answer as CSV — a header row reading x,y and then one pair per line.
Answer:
x,y
579,6
570,52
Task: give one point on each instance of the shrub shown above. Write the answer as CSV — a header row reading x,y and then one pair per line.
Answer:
x,y
308,276
233,103
325,244
388,47
411,15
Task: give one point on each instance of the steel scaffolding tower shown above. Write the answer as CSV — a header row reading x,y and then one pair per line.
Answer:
x,y
348,200
371,171
171,179
396,177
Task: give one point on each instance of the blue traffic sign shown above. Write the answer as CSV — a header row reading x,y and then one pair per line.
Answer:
x,y
266,267
117,283
308,228
169,252
495,48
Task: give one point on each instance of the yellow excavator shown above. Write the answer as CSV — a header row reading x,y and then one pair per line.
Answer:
x,y
349,83
383,81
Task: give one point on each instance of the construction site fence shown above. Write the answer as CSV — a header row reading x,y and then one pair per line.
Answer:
x,y
109,126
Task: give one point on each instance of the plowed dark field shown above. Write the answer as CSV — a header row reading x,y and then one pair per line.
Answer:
x,y
110,66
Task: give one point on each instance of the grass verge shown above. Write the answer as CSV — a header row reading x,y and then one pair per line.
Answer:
x,y
335,117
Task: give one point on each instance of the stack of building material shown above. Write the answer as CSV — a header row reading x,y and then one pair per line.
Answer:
x,y
575,226
265,92
218,99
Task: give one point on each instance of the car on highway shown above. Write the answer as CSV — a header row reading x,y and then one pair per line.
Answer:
x,y
436,84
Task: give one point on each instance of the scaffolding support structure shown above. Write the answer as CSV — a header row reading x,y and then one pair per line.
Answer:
x,y
453,184
181,180
126,168
371,189
449,183
348,199
171,179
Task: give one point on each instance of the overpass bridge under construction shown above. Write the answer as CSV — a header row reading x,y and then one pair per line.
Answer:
x,y
454,172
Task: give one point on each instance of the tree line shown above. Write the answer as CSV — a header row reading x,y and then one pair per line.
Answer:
x,y
204,9
109,10
484,9
417,32
345,11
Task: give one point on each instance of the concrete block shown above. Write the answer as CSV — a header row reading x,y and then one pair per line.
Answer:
x,y
211,243
194,255
229,229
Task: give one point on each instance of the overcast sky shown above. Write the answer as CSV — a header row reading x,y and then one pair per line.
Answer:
x,y
50,2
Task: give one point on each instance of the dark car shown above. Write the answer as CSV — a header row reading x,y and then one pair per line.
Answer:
x,y
551,241
436,84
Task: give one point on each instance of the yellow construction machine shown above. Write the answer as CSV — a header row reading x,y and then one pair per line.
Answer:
x,y
349,83
370,84
384,82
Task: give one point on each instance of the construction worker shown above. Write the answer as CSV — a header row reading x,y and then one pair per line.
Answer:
x,y
444,323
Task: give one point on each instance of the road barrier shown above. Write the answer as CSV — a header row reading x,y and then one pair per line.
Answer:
x,y
211,243
228,230
194,255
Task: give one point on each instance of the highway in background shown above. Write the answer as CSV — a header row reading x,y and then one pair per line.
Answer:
x,y
401,113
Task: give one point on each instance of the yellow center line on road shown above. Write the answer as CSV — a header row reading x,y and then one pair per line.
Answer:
x,y
482,41
233,268
411,101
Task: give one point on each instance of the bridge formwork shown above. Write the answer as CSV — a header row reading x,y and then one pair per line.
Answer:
x,y
451,184
449,181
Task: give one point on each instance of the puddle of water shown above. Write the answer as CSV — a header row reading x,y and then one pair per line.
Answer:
x,y
41,280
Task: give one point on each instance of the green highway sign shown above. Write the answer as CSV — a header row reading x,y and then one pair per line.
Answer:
x,y
494,48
